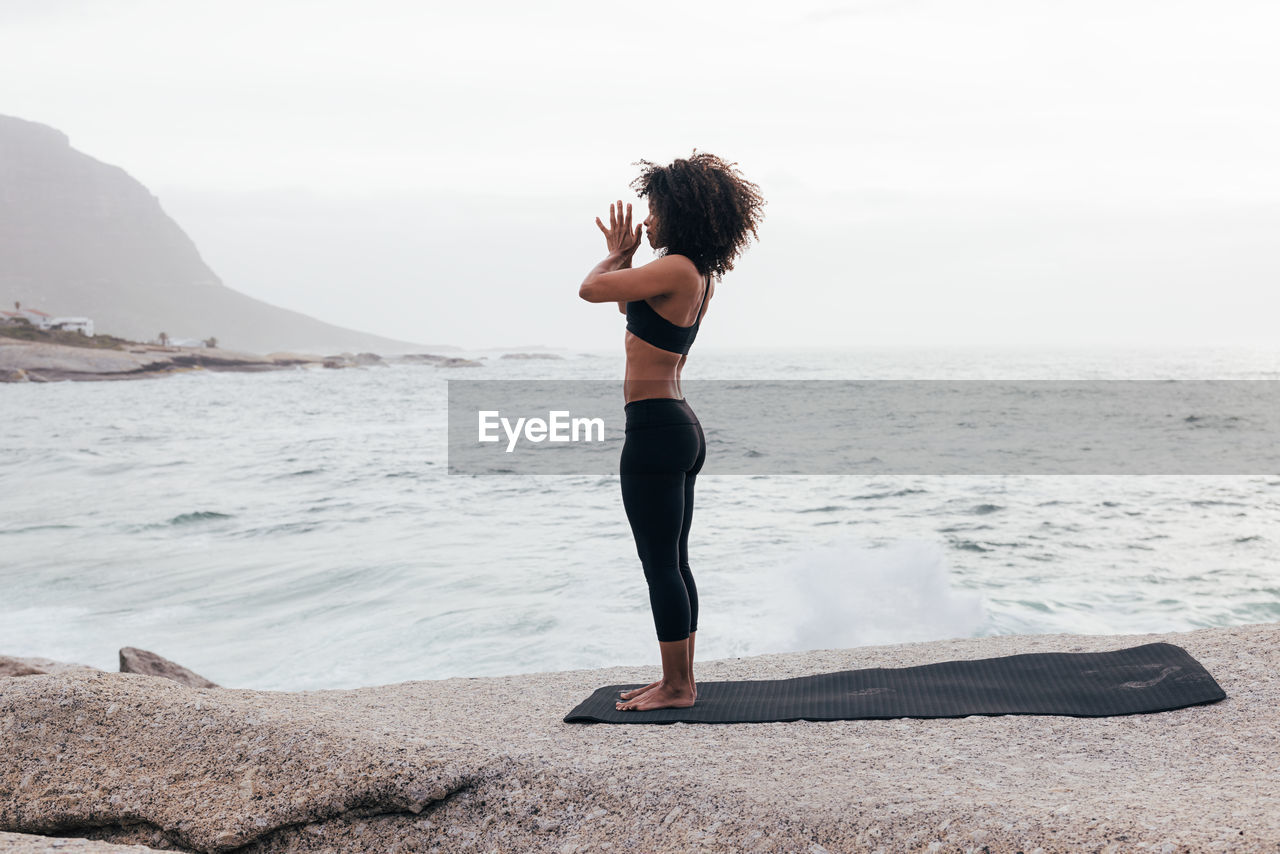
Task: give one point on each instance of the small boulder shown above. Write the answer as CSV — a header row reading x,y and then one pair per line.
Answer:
x,y
421,358
18,667
134,660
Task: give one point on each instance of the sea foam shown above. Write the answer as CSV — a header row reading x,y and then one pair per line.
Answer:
x,y
850,593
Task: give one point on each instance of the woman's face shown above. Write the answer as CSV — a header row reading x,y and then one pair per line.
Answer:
x,y
651,228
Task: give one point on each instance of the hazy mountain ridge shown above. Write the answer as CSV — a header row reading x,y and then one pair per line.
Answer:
x,y
81,237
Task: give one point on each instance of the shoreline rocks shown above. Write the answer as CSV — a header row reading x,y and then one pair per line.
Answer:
x,y
37,361
439,361
134,660
488,764
11,666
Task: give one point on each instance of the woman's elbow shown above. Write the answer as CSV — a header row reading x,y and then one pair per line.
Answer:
x,y
588,292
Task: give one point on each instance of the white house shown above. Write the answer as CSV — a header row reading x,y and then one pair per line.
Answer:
x,y
38,319
42,320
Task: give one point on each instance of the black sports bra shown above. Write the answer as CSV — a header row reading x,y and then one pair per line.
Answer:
x,y
651,327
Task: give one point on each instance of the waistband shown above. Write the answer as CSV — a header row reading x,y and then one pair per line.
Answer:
x,y
657,411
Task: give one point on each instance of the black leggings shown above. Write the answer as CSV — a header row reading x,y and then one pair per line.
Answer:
x,y
661,456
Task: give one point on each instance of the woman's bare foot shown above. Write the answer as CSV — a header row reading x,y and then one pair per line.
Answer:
x,y
636,692
663,697
675,690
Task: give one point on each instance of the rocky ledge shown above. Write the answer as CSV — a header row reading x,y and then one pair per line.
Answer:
x,y
38,361
30,843
487,764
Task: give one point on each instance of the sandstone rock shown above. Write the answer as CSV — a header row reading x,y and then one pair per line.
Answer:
x,y
11,666
286,358
209,769
438,361
354,360
61,362
134,660
42,356
18,667
484,764
419,358
28,843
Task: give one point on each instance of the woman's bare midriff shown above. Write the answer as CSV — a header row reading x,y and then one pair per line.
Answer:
x,y
652,371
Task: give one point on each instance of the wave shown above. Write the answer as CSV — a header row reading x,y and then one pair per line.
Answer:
x,y
850,594
198,516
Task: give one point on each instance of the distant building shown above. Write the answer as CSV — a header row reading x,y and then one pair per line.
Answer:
x,y
42,320
38,318
81,324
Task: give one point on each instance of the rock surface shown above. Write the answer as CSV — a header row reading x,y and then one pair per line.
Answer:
x,y
38,361
488,764
287,358
439,361
27,843
41,361
147,663
353,360
11,666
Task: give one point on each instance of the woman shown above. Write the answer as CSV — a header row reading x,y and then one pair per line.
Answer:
x,y
700,213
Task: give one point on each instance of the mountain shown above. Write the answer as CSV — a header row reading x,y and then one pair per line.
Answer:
x,y
79,237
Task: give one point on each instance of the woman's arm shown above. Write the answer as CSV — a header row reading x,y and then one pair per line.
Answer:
x,y
614,279
622,304
610,281
609,264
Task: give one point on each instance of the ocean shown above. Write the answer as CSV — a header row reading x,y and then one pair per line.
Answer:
x,y
299,530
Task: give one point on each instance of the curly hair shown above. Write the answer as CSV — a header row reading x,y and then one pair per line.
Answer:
x,y
705,209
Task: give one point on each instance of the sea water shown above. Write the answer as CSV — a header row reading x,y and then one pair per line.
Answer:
x,y
299,530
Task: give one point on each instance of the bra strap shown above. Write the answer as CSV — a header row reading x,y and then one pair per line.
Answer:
x,y
705,293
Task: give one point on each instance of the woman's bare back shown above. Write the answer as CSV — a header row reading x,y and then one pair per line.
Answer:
x,y
652,371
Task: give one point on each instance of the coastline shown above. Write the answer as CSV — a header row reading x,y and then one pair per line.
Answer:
x,y
41,361
487,763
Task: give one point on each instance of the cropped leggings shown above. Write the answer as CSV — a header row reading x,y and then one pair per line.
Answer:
x,y
662,454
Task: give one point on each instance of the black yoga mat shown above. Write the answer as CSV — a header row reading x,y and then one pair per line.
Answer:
x,y
1154,677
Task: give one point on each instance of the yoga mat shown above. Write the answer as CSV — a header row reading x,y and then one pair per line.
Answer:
x,y
1154,677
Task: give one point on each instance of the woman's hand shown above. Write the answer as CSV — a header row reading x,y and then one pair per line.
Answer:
x,y
621,241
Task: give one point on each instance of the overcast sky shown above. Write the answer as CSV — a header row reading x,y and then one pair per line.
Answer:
x,y
939,172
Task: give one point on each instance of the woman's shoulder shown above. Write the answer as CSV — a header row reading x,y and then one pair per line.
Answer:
x,y
673,263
